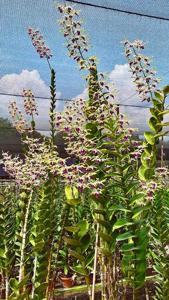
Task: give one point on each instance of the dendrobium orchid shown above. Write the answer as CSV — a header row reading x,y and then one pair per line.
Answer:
x,y
142,73
18,119
29,103
39,161
39,43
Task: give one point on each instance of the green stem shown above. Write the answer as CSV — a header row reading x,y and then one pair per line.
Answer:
x,y
6,287
24,235
95,261
52,105
34,276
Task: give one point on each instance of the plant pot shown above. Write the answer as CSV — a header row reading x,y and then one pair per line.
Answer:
x,y
91,278
51,285
67,282
29,287
2,293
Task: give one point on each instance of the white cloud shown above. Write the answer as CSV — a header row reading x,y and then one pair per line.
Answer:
x,y
137,116
14,84
121,77
83,95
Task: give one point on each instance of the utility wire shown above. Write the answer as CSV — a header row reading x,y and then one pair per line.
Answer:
x,y
118,10
38,97
69,100
13,128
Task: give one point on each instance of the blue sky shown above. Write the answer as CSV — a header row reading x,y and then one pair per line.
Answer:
x,y
106,29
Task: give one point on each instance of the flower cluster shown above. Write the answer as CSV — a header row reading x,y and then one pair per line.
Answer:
x,y
95,114
34,169
72,29
138,150
17,118
75,123
80,175
159,181
162,175
143,75
149,187
29,103
39,43
101,94
72,122
167,249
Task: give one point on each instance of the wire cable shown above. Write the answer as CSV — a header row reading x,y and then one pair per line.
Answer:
x,y
37,97
69,100
118,10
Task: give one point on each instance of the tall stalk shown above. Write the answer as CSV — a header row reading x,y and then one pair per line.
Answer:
x,y
52,106
95,261
24,232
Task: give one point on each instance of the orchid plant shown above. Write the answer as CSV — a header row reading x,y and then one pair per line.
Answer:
x,y
113,214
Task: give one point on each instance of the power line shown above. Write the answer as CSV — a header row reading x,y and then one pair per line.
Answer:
x,y
37,97
13,128
69,100
18,144
118,10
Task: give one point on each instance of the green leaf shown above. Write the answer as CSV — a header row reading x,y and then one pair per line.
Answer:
x,y
71,192
157,105
14,284
125,236
138,211
164,124
72,242
153,124
162,133
91,127
72,195
89,259
2,253
145,173
104,223
149,137
38,246
148,149
155,110
32,240
76,255
80,270
121,223
118,208
148,160
131,186
41,288
165,112
129,247
83,228
106,237
136,198
85,242
159,95
99,211
106,252
63,253
73,201
72,228
166,90
23,281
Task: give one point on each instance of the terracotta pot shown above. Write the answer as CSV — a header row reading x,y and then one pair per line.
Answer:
x,y
67,282
91,278
29,287
51,285
2,293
